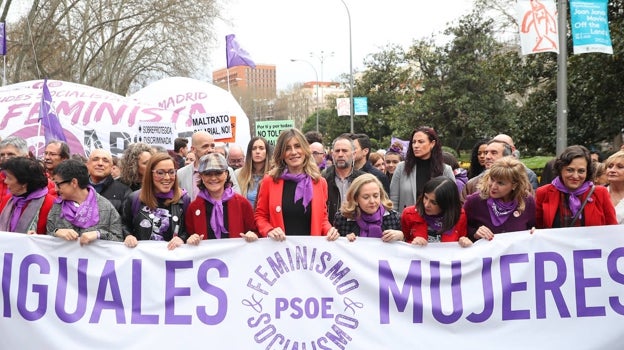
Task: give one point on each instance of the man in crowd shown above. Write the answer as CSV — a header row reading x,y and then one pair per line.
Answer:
x,y
55,152
100,167
530,173
340,175
236,156
202,143
180,149
318,153
362,152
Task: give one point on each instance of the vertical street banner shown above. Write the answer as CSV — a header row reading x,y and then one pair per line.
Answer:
x,y
590,26
538,26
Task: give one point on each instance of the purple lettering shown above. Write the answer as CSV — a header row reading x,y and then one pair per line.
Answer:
x,y
388,287
108,277
510,287
617,276
488,294
7,266
61,291
541,285
582,310
436,296
39,289
172,291
218,293
264,276
137,287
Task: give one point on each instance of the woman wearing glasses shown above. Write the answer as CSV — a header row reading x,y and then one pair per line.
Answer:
x,y
156,211
217,211
79,213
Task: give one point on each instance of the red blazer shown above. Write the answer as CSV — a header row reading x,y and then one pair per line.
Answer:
x,y
413,225
598,211
239,213
269,207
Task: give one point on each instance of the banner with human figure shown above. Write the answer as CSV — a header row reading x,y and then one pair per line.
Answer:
x,y
555,289
93,118
538,26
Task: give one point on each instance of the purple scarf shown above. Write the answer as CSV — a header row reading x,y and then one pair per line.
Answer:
x,y
167,195
304,186
434,222
370,224
500,211
19,202
575,201
216,217
81,215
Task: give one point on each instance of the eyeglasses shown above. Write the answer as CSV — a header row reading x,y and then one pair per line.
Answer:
x,y
213,173
318,154
160,174
51,154
58,184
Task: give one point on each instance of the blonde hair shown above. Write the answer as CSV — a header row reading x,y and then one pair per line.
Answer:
x,y
509,169
612,158
309,166
350,208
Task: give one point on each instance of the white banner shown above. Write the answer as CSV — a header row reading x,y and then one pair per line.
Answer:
x,y
556,289
538,26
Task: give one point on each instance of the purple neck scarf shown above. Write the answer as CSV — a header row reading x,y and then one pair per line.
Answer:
x,y
499,210
81,215
216,217
19,202
370,224
575,201
167,195
304,187
434,222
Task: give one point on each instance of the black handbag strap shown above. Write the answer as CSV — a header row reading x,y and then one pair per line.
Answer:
x,y
578,213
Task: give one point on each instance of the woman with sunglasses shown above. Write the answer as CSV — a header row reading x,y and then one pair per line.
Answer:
x,y
217,211
156,211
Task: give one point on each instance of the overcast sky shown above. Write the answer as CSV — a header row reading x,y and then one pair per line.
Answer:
x,y
274,31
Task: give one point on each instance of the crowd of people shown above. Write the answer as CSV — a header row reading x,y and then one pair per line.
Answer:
x,y
208,190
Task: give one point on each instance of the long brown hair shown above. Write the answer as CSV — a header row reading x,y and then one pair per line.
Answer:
x,y
148,193
309,166
245,175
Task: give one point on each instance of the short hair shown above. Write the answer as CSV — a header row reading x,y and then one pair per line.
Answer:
x,y
344,137
614,157
148,195
364,142
314,136
223,146
73,169
27,171
507,148
569,154
447,197
79,157
180,142
374,157
350,208
19,143
64,148
450,159
600,159
511,169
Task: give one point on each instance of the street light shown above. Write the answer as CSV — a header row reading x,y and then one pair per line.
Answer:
x,y
321,57
317,84
350,65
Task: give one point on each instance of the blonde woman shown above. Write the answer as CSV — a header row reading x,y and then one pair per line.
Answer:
x,y
615,177
257,164
504,202
368,212
293,197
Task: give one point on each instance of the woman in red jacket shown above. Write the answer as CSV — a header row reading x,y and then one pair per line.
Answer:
x,y
437,215
559,204
293,197
217,211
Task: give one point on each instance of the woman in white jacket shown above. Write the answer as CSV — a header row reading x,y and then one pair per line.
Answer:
x,y
423,161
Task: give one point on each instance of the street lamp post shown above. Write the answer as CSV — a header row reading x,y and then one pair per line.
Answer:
x,y
317,88
350,65
321,57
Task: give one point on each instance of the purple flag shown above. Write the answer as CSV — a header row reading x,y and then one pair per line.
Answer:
x,y
52,129
2,39
235,55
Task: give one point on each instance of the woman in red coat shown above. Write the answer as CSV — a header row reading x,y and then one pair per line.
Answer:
x,y
217,211
559,203
437,215
292,199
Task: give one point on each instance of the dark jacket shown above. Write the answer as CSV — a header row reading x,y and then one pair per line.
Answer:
x,y
369,168
333,195
113,190
137,221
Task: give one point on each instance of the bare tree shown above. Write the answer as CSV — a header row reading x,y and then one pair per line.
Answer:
x,y
116,45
